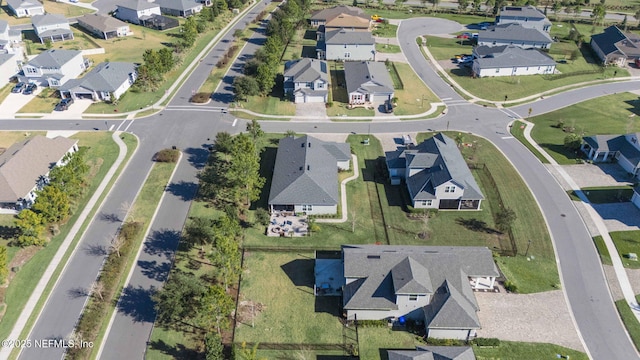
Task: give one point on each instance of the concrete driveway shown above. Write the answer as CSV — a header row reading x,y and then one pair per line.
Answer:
x,y
14,102
619,216
312,111
75,111
590,175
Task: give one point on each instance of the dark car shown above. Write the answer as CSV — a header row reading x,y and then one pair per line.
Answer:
x,y
64,104
30,89
19,87
388,107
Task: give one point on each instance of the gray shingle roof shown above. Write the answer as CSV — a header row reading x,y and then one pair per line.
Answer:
x,y
3,26
605,142
348,37
328,14
521,13
446,269
180,5
48,19
368,77
7,57
441,161
54,32
106,76
450,309
433,353
53,58
101,22
23,163
515,33
307,70
505,56
137,5
17,4
306,171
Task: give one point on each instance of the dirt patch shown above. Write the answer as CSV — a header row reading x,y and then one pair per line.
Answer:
x,y
248,310
20,258
94,167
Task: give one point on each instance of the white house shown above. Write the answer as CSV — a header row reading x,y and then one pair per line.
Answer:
x,y
8,38
183,8
106,82
516,35
307,80
105,27
305,175
624,148
615,47
430,284
136,11
435,174
54,67
509,60
8,67
527,16
25,8
368,82
346,45
24,168
53,27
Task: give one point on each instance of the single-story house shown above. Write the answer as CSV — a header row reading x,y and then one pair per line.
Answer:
x,y
435,174
433,353
103,26
430,284
307,80
351,16
54,27
624,148
305,175
54,67
8,67
347,45
26,8
8,37
106,82
509,60
615,47
527,16
24,168
368,82
136,11
514,34
183,8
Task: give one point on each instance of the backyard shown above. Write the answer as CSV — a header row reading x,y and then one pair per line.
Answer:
x,y
611,114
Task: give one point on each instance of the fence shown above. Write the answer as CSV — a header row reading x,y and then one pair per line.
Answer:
x,y
395,76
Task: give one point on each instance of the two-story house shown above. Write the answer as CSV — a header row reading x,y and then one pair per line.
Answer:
x,y
341,16
53,27
436,175
182,8
25,8
105,27
514,34
346,45
54,67
8,67
105,82
8,38
527,16
430,284
625,149
306,80
137,11
615,47
368,82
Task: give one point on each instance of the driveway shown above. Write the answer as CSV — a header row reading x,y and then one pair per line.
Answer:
x,y
591,175
14,102
75,111
619,216
312,111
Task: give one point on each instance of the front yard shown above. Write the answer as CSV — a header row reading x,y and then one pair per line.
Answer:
x,y
44,102
627,242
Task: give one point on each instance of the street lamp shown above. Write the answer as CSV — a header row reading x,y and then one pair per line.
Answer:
x,y
528,244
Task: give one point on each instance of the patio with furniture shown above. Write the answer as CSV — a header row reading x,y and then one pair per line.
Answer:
x,y
286,223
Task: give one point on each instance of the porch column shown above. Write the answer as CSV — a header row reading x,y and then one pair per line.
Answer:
x,y
459,203
493,281
590,154
479,202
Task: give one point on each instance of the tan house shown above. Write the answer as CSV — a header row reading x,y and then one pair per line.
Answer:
x,y
105,27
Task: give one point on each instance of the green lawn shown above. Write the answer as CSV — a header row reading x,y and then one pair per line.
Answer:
x,y
387,49
587,118
340,109
385,30
510,350
610,194
374,341
627,242
630,321
281,287
5,91
42,103
302,44
270,105
517,130
416,97
447,48
602,250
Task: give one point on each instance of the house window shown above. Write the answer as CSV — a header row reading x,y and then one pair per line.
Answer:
x,y
426,202
497,71
347,55
320,86
307,207
309,85
449,189
31,70
413,297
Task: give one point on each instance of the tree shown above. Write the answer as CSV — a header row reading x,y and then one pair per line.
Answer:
x,y
224,142
213,347
290,133
116,244
463,5
30,228
180,300
217,306
4,265
459,139
477,4
598,13
255,130
556,7
266,78
226,258
70,178
505,218
52,204
435,4
97,289
48,43
245,86
572,141
199,231
244,169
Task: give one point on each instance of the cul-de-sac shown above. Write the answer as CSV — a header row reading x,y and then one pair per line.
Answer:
x,y
320,179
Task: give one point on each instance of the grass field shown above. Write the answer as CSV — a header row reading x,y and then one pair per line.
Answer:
x,y
517,130
44,102
384,30
416,97
387,49
374,341
509,350
270,105
611,114
627,242
630,321
602,250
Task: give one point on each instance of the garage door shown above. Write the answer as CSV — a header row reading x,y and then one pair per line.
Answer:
x,y
87,96
314,99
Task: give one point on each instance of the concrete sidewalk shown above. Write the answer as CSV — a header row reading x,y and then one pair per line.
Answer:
x,y
343,192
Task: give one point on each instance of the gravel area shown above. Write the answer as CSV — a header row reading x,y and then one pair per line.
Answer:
x,y
542,317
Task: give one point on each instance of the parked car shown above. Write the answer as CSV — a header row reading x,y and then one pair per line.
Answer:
x,y
30,89
462,36
388,107
64,104
465,59
637,62
19,87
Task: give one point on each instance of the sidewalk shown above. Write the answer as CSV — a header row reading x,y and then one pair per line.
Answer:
x,y
343,192
37,293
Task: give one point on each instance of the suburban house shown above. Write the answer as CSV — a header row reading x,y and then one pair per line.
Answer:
x,y
136,11
305,175
24,168
183,8
8,67
106,82
509,60
430,284
105,27
527,16
433,353
25,8
615,47
306,80
624,148
368,82
435,174
341,17
347,45
8,37
53,27
54,67
514,34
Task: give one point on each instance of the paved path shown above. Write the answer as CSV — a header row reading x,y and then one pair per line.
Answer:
x,y
343,193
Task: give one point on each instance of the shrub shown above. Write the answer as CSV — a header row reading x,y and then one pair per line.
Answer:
x,y
167,155
200,98
262,216
510,286
445,342
130,229
486,342
373,323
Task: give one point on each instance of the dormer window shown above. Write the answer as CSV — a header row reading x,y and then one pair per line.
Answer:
x,y
449,189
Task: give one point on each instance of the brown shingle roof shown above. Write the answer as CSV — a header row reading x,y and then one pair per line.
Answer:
x,y
23,163
101,22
